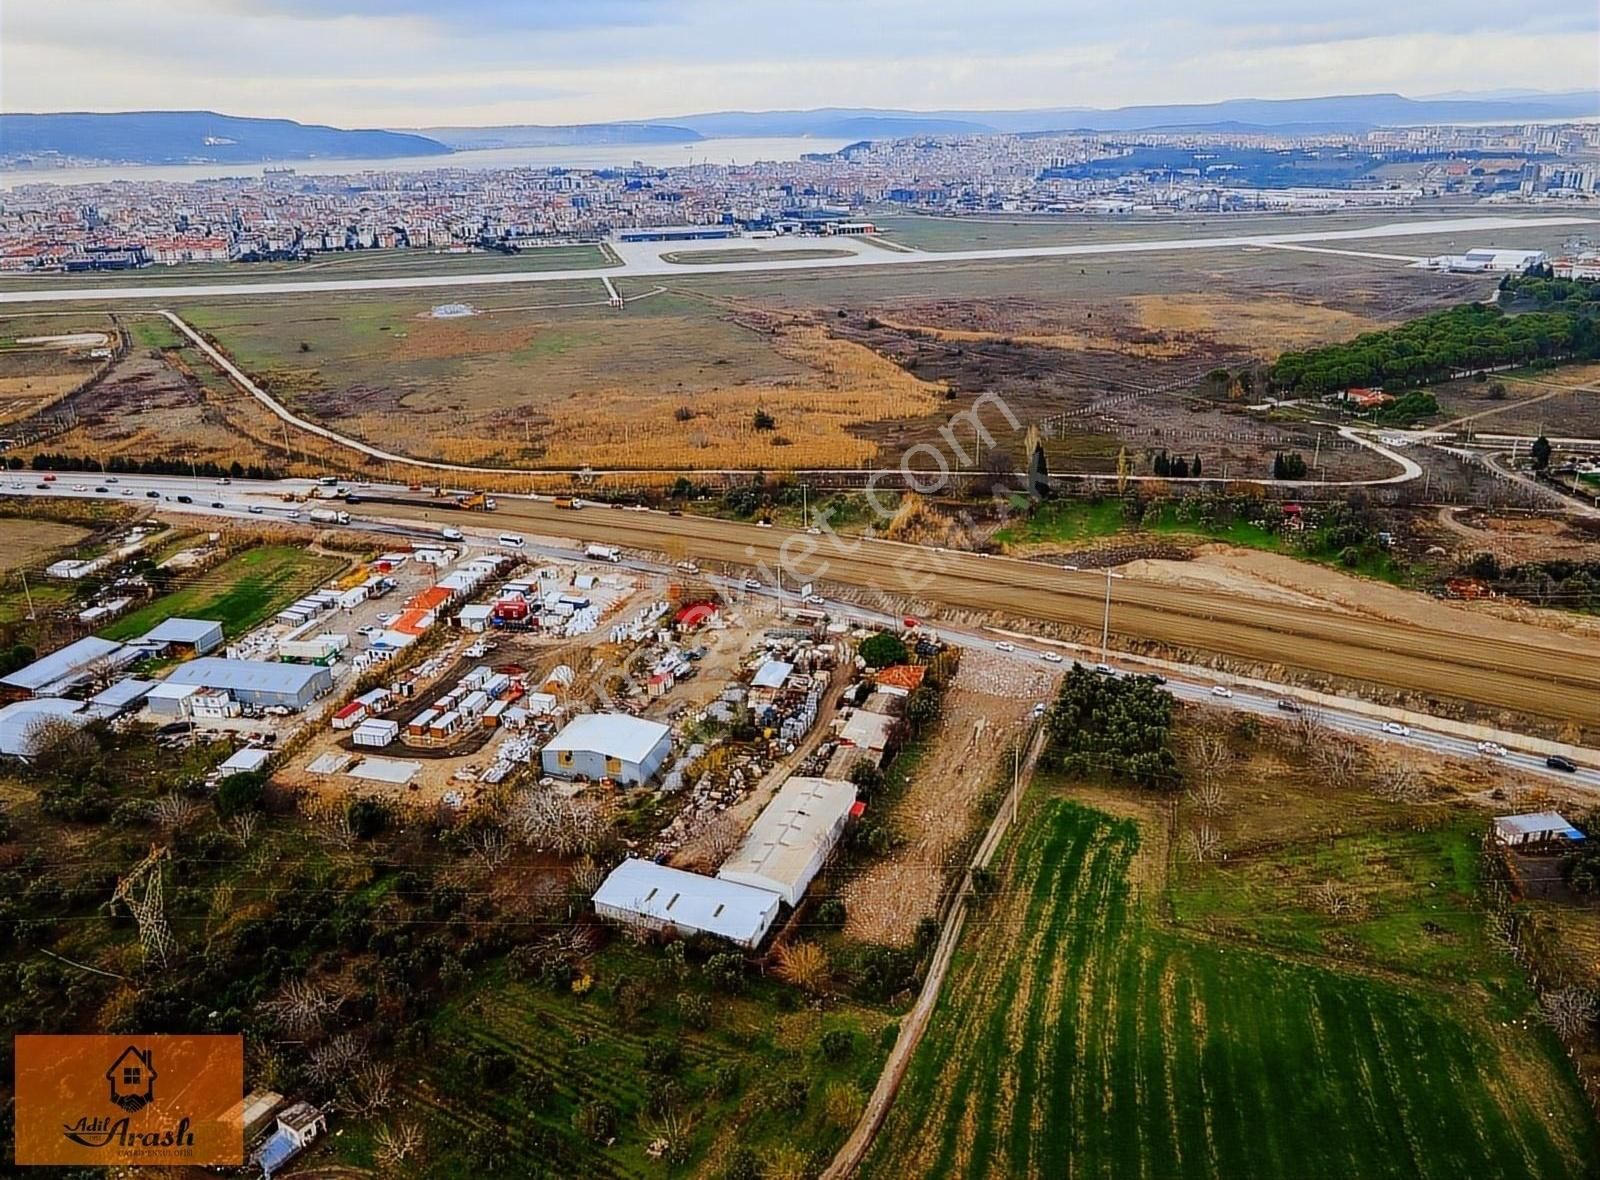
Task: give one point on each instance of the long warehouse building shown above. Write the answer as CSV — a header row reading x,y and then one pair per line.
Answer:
x,y
256,682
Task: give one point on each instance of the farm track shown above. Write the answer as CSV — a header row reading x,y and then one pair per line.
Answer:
x,y
1548,675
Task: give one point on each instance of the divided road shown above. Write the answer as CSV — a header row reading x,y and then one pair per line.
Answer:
x,y
1523,670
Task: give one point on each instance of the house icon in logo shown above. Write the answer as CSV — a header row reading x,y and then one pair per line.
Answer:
x,y
133,1080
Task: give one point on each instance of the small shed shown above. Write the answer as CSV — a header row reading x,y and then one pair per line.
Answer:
x,y
1535,831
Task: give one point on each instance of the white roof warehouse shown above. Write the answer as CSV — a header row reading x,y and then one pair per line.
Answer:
x,y
608,745
61,671
792,837
643,893
256,682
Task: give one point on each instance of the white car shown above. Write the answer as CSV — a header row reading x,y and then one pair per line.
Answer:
x,y
1039,709
1004,645
1493,749
80,487
816,600
1397,729
293,514
814,531
752,584
1221,690
1050,657
763,524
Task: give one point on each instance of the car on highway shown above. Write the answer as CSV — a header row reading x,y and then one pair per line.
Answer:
x,y
218,504
112,479
1397,729
688,567
1289,706
103,490
1493,749
1565,765
293,514
763,524
80,487
153,494
127,491
814,531
816,600
1221,690
752,584
43,487
1005,645
1105,669
255,510
186,499
1050,657
49,478
223,481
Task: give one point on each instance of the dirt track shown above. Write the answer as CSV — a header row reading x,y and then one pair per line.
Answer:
x,y
1524,670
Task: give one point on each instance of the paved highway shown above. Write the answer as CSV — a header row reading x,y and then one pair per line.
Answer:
x,y
1521,669
650,263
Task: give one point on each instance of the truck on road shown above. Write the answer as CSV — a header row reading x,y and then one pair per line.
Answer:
x,y
603,553
329,516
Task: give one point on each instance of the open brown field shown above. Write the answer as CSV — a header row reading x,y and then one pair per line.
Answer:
x,y
32,542
44,357
672,382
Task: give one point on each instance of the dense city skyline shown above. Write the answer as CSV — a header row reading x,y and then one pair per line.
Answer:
x,y
398,63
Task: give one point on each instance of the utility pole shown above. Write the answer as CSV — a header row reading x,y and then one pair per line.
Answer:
x,y
1105,624
1016,779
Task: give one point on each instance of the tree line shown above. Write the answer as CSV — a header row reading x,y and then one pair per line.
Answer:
x,y
122,465
1439,346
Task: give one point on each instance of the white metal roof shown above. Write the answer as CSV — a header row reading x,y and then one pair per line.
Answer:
x,y
782,846
176,630
246,760
870,731
71,660
20,722
1537,823
616,735
689,901
772,674
251,675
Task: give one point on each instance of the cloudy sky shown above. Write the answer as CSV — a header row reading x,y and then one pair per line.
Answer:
x,y
408,63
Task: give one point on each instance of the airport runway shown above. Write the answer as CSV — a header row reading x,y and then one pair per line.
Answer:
x,y
647,262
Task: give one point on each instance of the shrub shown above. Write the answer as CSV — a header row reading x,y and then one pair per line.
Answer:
x,y
367,817
240,792
726,972
831,914
838,1044
883,649
595,1120
694,1010
663,1055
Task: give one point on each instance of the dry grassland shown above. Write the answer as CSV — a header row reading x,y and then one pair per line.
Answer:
x,y
30,542
1266,326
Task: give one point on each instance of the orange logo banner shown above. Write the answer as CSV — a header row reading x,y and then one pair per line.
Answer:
x,y
130,1100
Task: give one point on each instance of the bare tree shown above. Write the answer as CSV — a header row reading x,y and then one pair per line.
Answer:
x,y
334,1059
1202,844
371,1087
244,827
671,1137
174,812
1570,1010
1338,761
1210,755
1209,796
549,822
489,847
1399,782
397,1144
1308,728
301,1006
587,875
1336,899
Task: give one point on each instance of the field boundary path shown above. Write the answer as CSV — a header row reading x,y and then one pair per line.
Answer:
x,y
915,1022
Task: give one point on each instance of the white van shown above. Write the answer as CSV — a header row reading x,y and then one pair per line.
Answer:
x,y
512,540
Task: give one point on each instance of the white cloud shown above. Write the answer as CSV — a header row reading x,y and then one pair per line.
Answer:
x,y
409,63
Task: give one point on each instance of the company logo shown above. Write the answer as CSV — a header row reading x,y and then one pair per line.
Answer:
x,y
104,1100
133,1080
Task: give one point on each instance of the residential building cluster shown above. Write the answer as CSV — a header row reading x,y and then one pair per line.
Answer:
x,y
123,223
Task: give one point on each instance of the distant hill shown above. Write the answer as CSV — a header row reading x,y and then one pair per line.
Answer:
x,y
571,135
174,137
1351,112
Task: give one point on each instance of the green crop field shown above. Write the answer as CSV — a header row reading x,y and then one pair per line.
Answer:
x,y
755,1078
242,592
1080,1035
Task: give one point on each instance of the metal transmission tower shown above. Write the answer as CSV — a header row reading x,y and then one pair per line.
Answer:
x,y
148,906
